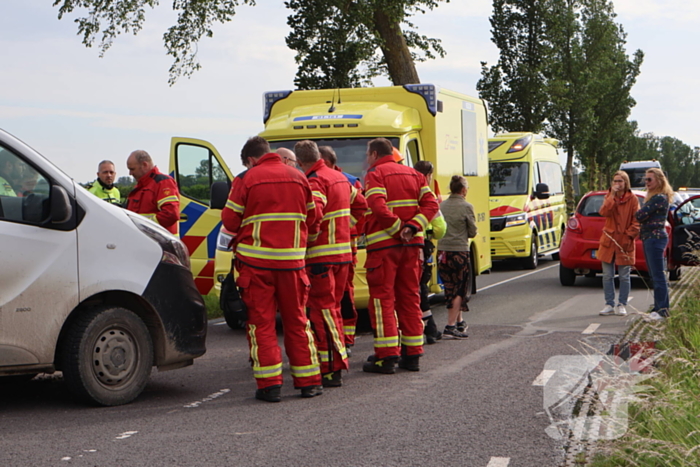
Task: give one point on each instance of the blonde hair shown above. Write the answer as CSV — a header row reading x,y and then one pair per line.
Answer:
x,y
622,174
664,188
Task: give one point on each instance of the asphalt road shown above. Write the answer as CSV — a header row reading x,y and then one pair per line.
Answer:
x,y
472,404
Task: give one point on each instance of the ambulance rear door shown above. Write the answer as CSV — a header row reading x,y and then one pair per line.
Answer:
x,y
196,164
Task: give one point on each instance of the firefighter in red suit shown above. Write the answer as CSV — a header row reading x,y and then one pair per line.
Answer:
x,y
328,257
400,206
155,195
269,210
347,303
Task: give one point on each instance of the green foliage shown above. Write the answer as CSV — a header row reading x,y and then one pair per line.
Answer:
x,y
337,41
211,303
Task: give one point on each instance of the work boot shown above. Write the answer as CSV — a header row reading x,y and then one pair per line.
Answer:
x,y
332,380
432,335
409,362
311,391
384,366
269,394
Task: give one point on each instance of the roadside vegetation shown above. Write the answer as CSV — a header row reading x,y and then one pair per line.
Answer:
x,y
211,301
664,423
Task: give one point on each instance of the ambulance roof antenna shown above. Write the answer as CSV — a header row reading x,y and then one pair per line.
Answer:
x,y
331,109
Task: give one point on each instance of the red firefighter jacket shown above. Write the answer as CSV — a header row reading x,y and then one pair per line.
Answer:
x,y
357,229
398,196
341,205
269,209
156,196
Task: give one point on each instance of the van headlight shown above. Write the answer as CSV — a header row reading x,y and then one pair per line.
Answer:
x,y
223,241
174,251
518,219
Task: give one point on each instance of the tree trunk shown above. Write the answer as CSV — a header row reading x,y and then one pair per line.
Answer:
x,y
402,70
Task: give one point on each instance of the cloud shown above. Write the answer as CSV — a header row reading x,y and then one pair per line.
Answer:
x,y
653,11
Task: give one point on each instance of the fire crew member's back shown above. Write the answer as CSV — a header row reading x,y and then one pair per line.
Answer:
x,y
269,210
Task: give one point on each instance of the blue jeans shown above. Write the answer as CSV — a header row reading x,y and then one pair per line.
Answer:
x,y
609,283
654,255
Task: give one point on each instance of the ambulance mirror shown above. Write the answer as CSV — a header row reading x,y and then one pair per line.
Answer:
x,y
542,191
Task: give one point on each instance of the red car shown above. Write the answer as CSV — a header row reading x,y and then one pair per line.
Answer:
x,y
579,246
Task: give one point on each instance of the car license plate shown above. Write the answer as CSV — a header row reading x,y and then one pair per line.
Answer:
x,y
594,253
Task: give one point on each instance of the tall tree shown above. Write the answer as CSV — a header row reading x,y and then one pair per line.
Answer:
x,y
382,18
515,86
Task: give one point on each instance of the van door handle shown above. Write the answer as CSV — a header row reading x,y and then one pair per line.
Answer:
x,y
183,217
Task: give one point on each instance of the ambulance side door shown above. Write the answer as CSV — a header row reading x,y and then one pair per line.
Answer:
x,y
196,164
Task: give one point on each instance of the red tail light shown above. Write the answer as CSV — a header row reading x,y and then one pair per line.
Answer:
x,y
573,225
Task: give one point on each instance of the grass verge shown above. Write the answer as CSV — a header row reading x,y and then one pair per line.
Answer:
x,y
212,303
664,423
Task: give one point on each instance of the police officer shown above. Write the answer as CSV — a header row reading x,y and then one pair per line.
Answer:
x,y
155,195
104,187
271,227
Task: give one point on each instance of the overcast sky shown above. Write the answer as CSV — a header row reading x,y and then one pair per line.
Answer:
x,y
77,109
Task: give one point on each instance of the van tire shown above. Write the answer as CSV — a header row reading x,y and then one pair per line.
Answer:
x,y
107,356
567,276
531,261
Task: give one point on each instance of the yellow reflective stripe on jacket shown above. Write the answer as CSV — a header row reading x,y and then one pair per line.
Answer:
x,y
314,237
402,203
327,250
412,341
336,214
353,221
235,207
423,191
321,196
167,199
150,216
353,194
271,253
377,237
394,229
310,206
276,216
377,190
306,370
267,371
392,341
421,220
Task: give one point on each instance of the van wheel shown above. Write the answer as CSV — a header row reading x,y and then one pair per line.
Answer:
x,y
567,276
531,261
107,356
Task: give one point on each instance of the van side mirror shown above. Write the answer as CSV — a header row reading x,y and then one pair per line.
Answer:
x,y
541,191
219,194
61,208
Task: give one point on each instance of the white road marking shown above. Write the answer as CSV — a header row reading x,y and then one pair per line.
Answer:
x,y
126,434
517,277
210,397
220,324
65,458
499,462
591,328
543,377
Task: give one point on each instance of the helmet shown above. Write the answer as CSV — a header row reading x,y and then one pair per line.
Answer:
x,y
397,156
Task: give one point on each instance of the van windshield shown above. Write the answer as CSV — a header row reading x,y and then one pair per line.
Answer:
x,y
351,152
508,178
637,176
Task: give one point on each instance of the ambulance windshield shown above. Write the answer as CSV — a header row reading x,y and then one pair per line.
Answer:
x,y
351,152
508,178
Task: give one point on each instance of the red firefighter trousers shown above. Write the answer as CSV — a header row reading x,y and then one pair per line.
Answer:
x,y
264,292
327,285
393,276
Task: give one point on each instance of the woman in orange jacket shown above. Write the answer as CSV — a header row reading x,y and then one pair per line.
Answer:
x,y
617,242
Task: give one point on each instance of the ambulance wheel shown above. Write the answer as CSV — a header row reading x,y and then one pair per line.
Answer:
x,y
531,261
233,321
567,276
107,356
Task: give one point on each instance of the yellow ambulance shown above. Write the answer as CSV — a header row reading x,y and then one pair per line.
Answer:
x,y
423,121
527,206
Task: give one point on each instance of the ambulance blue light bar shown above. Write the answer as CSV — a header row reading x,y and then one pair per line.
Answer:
x,y
428,92
269,99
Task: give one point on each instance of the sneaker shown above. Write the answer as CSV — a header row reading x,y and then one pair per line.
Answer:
x,y
462,326
311,391
621,310
607,311
384,366
655,316
332,380
453,332
269,394
409,363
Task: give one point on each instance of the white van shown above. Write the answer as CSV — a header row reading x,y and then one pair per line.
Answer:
x,y
87,288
